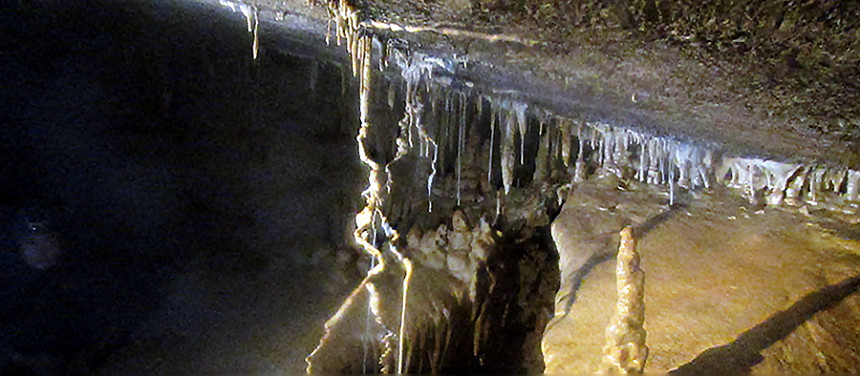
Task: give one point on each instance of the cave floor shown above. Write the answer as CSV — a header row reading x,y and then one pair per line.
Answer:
x,y
729,288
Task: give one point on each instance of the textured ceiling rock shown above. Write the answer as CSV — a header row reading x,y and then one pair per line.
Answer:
x,y
773,79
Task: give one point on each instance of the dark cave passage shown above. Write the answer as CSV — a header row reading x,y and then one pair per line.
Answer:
x,y
163,161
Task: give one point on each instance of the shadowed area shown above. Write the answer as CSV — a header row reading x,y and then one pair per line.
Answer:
x,y
166,203
742,354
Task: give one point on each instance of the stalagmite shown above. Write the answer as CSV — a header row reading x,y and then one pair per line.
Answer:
x,y
625,350
406,264
750,182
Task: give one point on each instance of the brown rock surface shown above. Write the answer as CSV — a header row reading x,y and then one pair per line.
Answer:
x,y
728,289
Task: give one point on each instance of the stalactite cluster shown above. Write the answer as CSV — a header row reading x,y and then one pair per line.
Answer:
x,y
524,139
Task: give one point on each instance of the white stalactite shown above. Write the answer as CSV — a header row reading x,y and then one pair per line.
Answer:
x,y
852,191
522,126
579,168
508,151
565,142
492,143
461,143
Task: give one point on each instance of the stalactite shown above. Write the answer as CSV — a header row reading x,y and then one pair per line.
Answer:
x,y
461,135
554,157
834,178
653,161
443,122
579,168
820,179
642,171
542,158
852,191
392,92
508,151
794,188
522,127
681,158
671,185
778,176
565,143
598,145
492,146
430,178
252,20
